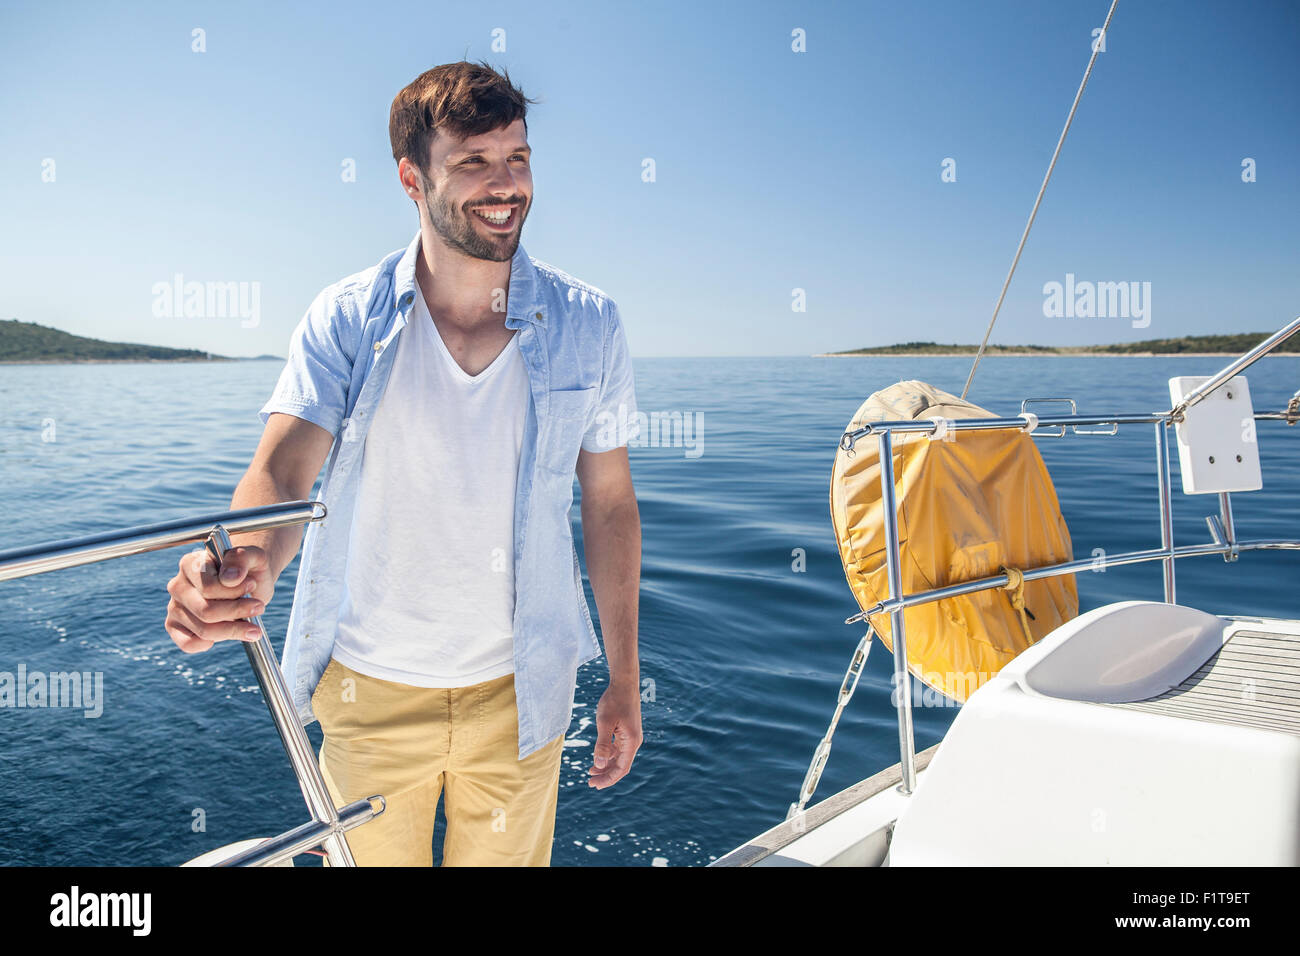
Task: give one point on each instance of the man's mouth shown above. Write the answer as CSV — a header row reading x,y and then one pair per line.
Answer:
x,y
497,218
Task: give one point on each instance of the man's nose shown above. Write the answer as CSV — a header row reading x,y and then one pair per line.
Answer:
x,y
502,180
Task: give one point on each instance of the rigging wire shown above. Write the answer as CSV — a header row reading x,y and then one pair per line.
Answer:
x,y
1096,48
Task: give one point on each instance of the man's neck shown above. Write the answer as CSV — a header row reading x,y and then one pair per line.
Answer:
x,y
458,289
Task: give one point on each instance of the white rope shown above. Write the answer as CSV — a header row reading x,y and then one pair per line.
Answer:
x,y
1042,189
941,427
1031,422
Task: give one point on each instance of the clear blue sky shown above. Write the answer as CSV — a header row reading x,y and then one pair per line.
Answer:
x,y
775,170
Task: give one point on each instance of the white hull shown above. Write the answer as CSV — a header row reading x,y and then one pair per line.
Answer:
x,y
1138,734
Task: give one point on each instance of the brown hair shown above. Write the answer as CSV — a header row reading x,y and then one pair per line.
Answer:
x,y
463,99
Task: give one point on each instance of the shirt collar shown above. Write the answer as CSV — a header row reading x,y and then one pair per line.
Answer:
x,y
523,301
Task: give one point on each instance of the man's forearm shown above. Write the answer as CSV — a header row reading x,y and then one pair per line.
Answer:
x,y
612,541
258,487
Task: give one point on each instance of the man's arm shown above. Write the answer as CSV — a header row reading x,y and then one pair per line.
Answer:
x,y
284,468
203,609
611,534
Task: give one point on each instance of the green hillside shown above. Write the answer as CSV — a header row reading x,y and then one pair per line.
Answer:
x,y
1236,344
1233,344
29,342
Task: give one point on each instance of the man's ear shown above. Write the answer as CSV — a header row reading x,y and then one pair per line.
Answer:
x,y
418,182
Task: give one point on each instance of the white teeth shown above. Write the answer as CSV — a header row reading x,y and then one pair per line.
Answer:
x,y
496,217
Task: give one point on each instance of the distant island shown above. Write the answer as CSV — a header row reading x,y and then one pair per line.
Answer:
x,y
1233,344
29,343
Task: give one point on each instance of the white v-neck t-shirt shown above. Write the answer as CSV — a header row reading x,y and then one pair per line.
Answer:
x,y
430,590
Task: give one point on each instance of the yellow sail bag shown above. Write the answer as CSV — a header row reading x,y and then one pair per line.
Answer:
x,y
969,505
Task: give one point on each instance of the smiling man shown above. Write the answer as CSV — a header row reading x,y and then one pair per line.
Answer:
x,y
439,620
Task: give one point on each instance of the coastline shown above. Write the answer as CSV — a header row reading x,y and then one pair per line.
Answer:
x,y
128,361
1043,354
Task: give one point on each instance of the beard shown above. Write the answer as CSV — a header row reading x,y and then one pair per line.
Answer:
x,y
456,230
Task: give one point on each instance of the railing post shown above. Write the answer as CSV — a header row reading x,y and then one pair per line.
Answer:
x,y
1225,522
1166,509
275,691
893,570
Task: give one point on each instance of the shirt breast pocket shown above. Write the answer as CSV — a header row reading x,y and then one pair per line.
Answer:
x,y
568,415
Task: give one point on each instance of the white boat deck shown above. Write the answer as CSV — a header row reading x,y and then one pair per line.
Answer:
x,y
1253,681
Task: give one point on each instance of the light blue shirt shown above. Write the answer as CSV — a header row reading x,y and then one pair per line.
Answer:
x,y
580,379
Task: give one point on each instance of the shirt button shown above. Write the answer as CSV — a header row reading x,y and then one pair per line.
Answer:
x,y
539,315
380,348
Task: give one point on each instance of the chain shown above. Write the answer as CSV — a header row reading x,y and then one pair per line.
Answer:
x,y
847,687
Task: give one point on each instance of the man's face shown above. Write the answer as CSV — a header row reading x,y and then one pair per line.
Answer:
x,y
472,178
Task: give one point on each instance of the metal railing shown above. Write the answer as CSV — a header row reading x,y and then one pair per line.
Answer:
x,y
328,823
1222,531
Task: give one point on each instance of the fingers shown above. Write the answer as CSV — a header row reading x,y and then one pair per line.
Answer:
x,y
207,609
612,760
243,567
203,611
603,753
243,570
214,630
184,638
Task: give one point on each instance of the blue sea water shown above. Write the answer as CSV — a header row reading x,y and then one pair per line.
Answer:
x,y
745,652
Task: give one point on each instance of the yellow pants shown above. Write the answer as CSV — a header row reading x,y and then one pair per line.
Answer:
x,y
412,744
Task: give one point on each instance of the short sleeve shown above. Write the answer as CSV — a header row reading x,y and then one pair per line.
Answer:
x,y
314,383
615,422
